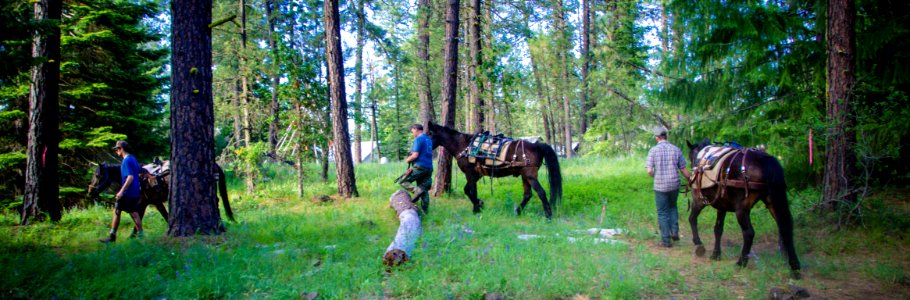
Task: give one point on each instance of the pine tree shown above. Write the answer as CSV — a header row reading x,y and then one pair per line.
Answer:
x,y
193,203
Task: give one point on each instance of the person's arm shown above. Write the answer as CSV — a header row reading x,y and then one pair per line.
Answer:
x,y
682,166
129,180
649,163
685,172
412,157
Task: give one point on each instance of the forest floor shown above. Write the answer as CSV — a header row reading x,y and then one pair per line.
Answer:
x,y
285,246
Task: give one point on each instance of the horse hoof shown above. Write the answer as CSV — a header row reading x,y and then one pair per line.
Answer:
x,y
796,274
715,256
699,250
742,263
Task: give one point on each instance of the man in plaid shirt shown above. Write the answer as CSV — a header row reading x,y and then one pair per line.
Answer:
x,y
665,161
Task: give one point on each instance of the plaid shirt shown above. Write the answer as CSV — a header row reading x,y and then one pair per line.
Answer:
x,y
666,160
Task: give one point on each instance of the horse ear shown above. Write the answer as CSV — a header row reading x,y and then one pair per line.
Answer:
x,y
690,144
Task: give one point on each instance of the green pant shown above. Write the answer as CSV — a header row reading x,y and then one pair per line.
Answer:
x,y
421,176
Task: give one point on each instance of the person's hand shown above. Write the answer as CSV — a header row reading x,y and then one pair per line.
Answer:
x,y
119,195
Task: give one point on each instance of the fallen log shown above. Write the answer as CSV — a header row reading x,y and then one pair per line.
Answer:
x,y
409,230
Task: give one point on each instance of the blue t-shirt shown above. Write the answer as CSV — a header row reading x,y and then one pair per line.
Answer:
x,y
130,167
424,147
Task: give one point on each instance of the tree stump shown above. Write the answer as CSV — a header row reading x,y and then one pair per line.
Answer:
x,y
409,230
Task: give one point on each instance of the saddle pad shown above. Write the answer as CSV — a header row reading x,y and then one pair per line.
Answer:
x,y
708,157
712,168
491,149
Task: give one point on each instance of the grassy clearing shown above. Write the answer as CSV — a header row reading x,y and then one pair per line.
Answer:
x,y
284,246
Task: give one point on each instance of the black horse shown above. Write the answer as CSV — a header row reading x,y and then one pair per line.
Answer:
x,y
152,191
536,154
749,176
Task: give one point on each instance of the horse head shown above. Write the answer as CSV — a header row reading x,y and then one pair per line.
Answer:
x,y
695,148
101,180
437,134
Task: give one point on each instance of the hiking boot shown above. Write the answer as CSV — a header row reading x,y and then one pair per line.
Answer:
x,y
674,238
137,234
110,239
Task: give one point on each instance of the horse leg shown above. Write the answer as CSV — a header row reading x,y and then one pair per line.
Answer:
x,y
693,222
745,222
161,209
470,189
542,194
718,233
780,243
527,195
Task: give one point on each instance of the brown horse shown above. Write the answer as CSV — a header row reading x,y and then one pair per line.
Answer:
x,y
152,190
749,176
534,154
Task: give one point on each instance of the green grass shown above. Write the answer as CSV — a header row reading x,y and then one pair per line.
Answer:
x,y
284,245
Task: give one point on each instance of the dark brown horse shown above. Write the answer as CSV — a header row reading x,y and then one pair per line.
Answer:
x,y
534,154
152,190
748,177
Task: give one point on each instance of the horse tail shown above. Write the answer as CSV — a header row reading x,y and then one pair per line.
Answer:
x,y
777,195
554,175
222,188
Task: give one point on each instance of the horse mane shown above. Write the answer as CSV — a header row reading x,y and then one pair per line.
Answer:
x,y
448,130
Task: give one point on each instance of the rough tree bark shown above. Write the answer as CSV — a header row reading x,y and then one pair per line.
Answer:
x,y
193,204
423,57
344,167
475,80
244,83
583,118
488,83
41,185
443,182
275,107
840,159
564,46
358,82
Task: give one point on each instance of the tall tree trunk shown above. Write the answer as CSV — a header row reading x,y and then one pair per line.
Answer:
x,y
41,184
564,46
374,126
585,64
238,117
327,119
443,182
485,74
276,68
475,80
250,176
245,86
840,159
193,203
423,57
538,83
397,113
358,82
344,167
298,151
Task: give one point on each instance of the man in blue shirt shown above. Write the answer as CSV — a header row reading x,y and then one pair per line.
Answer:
x,y
421,160
128,196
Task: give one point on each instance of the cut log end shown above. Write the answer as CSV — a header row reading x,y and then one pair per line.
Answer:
x,y
394,258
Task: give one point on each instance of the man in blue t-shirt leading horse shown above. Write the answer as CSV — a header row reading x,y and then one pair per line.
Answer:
x,y
128,196
421,168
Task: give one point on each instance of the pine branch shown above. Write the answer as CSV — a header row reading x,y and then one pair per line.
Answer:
x,y
641,106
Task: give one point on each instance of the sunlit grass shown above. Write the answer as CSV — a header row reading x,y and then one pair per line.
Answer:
x,y
284,245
